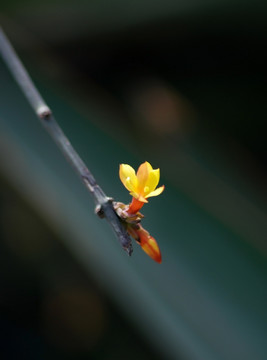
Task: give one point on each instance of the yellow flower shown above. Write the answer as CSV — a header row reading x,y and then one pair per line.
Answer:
x,y
142,184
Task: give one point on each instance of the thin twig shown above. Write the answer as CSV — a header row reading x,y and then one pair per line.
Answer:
x,y
104,204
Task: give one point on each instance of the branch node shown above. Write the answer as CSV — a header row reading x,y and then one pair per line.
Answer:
x,y
44,112
99,211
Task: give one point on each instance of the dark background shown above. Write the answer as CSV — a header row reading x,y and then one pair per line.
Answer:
x,y
183,86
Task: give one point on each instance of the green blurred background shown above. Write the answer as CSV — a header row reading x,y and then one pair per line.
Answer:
x,y
183,86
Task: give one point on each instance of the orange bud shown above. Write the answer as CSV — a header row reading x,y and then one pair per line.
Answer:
x,y
148,244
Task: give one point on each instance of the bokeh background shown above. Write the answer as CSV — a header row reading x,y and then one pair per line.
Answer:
x,y
181,84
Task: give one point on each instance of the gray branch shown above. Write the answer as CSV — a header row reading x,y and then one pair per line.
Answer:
x,y
103,203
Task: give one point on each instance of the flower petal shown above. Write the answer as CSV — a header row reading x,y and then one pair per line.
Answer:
x,y
143,174
128,177
156,192
153,180
130,186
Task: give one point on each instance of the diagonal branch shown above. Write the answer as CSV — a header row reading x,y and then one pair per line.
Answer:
x,y
104,204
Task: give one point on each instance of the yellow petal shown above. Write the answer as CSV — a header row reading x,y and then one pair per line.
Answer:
x,y
128,177
153,180
130,185
143,174
156,192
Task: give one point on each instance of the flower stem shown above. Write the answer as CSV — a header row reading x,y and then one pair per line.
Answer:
x,y
135,206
